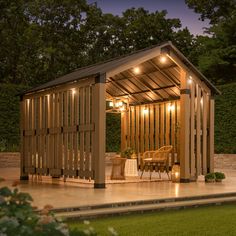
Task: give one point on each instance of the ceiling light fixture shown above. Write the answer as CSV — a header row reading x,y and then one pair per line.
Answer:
x,y
163,59
136,70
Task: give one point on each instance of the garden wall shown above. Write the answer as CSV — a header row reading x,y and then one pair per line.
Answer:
x,y
9,159
222,161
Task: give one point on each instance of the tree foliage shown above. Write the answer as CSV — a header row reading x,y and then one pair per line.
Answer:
x,y
214,10
216,54
41,40
10,116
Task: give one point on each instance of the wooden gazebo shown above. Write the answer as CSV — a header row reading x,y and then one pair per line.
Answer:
x,y
162,98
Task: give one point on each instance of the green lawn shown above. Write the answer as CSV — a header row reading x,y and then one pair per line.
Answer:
x,y
217,220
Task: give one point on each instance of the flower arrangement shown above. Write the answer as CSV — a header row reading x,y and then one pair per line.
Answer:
x,y
127,153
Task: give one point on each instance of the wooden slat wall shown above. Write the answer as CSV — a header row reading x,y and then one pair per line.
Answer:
x,y
57,133
151,130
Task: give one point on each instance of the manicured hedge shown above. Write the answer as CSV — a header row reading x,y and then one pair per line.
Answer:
x,y
225,119
9,116
113,132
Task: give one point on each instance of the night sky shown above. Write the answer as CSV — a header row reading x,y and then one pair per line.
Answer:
x,y
175,9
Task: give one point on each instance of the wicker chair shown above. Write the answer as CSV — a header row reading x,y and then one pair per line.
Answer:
x,y
118,168
157,160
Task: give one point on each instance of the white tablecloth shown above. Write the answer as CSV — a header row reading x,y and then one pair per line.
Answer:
x,y
131,168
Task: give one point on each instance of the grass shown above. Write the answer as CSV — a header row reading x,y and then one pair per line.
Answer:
x,y
207,221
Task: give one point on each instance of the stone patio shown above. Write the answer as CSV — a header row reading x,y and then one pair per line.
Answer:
x,y
71,193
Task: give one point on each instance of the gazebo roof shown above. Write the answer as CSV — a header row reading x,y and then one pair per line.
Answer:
x,y
117,65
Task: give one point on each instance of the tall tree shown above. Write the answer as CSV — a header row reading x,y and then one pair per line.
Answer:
x,y
217,52
136,29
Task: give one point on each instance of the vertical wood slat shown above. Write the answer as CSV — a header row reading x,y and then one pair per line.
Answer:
x,y
162,125
204,134
60,135
123,130
71,135
132,110
65,133
137,130
146,130
87,135
82,122
151,135
33,136
173,131
167,131
47,142
22,138
44,136
76,101
198,131
157,127
27,127
93,137
30,140
55,125
178,130
51,126
142,129
192,131
37,127
128,137
211,134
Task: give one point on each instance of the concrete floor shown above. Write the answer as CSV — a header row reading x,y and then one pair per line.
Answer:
x,y
60,194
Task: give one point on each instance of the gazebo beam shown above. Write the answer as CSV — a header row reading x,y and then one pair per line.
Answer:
x,y
145,91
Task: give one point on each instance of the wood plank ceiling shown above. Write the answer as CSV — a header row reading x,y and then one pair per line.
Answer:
x,y
155,82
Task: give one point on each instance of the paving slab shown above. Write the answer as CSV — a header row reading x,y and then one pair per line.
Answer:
x,y
66,194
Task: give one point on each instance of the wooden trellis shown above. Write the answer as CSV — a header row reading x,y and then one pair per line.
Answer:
x,y
58,132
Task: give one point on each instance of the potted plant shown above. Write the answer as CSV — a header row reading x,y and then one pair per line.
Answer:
x,y
210,177
127,153
219,176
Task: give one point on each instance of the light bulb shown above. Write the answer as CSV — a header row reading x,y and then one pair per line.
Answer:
x,y
145,111
136,70
163,59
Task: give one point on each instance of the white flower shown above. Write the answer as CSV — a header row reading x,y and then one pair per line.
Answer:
x,y
86,222
112,231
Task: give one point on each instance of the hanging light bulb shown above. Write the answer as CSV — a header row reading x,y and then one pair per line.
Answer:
x,y
111,104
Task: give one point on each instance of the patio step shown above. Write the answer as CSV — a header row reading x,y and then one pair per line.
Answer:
x,y
124,208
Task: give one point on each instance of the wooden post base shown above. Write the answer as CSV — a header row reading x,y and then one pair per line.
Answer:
x,y
96,185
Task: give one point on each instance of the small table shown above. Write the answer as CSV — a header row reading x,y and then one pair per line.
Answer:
x,y
131,168
118,166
